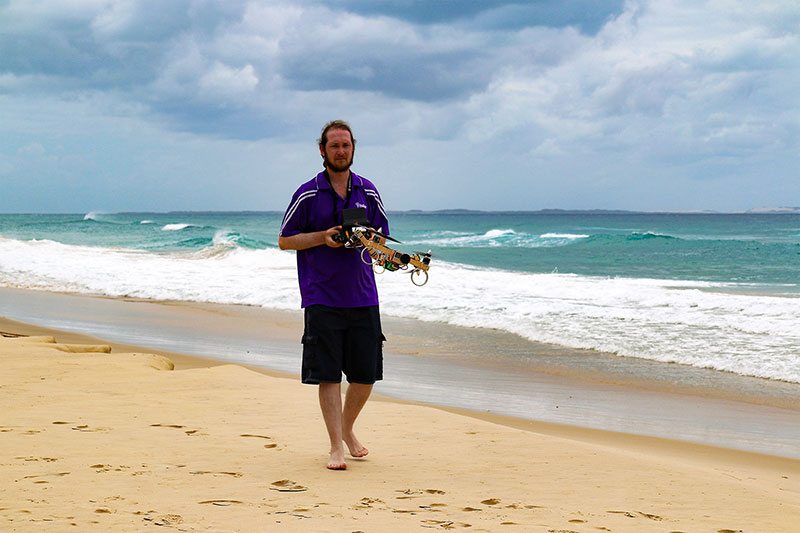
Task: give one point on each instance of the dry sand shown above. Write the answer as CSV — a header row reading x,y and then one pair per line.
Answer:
x,y
108,438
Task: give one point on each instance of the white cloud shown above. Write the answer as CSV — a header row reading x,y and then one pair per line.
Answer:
x,y
114,18
664,70
228,82
183,64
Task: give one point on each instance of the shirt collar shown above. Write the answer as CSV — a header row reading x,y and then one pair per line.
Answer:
x,y
322,181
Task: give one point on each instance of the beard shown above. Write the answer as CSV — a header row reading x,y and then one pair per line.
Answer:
x,y
339,166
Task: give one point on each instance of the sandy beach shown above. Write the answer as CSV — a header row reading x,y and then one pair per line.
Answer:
x,y
103,436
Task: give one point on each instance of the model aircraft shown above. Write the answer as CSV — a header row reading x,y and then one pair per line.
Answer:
x,y
354,234
383,258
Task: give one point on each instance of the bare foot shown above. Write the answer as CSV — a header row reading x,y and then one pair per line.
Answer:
x,y
336,461
356,448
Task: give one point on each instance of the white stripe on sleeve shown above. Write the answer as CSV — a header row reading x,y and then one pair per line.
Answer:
x,y
377,198
291,211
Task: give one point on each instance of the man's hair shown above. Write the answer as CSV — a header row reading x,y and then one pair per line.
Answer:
x,y
335,125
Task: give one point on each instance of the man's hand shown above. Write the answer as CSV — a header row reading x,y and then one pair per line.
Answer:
x,y
304,241
330,234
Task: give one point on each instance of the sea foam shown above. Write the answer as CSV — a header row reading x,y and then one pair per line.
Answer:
x,y
497,237
725,326
176,227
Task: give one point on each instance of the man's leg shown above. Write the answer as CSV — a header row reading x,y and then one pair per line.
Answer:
x,y
355,399
363,365
330,401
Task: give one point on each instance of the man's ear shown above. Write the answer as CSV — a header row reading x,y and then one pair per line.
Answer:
x,y
322,151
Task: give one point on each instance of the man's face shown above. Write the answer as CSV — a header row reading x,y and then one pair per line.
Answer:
x,y
338,151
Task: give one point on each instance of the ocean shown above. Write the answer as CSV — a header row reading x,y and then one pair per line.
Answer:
x,y
715,291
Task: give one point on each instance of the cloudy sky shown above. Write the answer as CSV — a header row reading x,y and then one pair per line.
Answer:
x,y
152,105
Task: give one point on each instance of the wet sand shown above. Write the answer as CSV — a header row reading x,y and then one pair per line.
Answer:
x,y
99,436
482,371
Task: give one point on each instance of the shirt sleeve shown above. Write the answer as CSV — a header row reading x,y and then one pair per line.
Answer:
x,y
379,220
295,220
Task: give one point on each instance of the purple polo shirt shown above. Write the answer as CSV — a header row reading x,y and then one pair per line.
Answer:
x,y
336,277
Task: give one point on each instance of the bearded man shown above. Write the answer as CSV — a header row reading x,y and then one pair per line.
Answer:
x,y
342,333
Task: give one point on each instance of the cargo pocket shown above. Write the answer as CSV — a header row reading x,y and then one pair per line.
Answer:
x,y
309,354
309,345
379,359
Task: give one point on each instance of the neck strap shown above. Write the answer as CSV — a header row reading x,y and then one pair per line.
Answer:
x,y
338,217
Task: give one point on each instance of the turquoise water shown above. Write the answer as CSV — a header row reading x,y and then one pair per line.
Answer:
x,y
745,248
146,231
736,248
714,291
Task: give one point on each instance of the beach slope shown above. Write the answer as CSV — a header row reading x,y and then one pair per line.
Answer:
x,y
93,438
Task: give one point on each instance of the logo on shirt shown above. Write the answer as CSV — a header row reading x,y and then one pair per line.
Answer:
x,y
359,204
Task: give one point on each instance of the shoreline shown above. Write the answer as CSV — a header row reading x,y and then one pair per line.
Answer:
x,y
450,367
492,348
183,361
107,437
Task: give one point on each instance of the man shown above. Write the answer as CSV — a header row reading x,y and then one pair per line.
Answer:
x,y
342,323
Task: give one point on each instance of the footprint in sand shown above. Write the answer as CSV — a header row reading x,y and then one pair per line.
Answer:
x,y
101,468
633,514
271,445
86,429
55,474
444,524
286,485
411,493
166,520
651,516
202,472
221,503
367,503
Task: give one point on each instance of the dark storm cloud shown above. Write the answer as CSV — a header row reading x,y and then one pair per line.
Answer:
x,y
229,68
698,89
405,74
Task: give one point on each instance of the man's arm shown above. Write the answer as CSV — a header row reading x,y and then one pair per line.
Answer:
x,y
303,241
